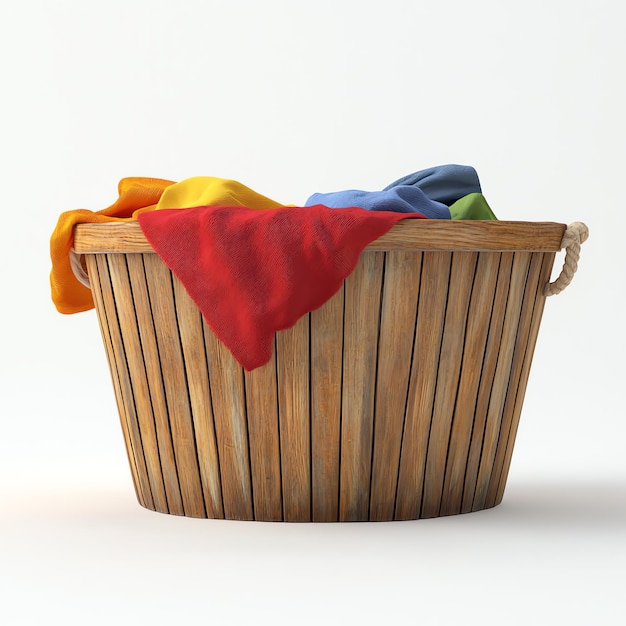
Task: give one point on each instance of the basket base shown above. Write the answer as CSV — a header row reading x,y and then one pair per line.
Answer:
x,y
353,518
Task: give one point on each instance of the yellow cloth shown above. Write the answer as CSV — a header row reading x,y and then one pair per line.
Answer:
x,y
137,195
209,191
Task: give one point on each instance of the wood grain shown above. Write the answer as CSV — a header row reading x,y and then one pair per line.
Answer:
x,y
519,353
425,362
397,331
97,287
159,281
192,343
409,234
231,428
326,379
478,320
461,279
292,358
128,324
154,377
362,310
131,422
265,465
546,269
521,261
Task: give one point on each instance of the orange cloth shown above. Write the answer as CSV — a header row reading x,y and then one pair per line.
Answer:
x,y
135,195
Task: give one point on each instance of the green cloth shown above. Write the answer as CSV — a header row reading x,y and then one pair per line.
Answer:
x,y
471,207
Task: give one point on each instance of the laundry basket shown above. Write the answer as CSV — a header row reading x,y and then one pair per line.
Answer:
x,y
398,399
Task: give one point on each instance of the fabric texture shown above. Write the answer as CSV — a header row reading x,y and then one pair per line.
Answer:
x,y
252,273
472,207
264,263
402,199
442,183
211,191
135,196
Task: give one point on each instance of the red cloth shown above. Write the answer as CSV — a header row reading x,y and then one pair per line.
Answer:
x,y
252,273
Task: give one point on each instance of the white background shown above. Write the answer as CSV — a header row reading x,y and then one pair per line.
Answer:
x,y
291,98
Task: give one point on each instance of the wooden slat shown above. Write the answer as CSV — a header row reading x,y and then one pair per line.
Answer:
x,y
546,269
131,423
154,377
127,319
519,353
485,385
519,273
461,278
175,382
326,376
292,359
470,236
262,410
362,311
192,343
229,413
478,320
96,284
397,330
408,234
425,361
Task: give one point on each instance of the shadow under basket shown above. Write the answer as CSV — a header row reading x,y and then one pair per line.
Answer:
x,y
398,399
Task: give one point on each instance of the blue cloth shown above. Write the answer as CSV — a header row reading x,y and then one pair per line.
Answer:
x,y
400,199
443,183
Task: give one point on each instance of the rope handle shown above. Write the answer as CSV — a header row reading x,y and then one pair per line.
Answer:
x,y
575,235
77,268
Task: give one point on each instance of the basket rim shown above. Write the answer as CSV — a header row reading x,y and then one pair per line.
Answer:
x,y
417,235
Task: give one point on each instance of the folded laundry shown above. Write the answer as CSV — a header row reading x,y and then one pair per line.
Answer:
x,y
443,183
288,261
402,199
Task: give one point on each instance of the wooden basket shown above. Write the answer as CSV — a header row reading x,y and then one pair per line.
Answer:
x,y
398,399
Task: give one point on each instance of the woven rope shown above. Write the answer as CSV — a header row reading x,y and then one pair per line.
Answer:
x,y
77,267
575,234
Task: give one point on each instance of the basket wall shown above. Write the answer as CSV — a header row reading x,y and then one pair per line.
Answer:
x,y
398,399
